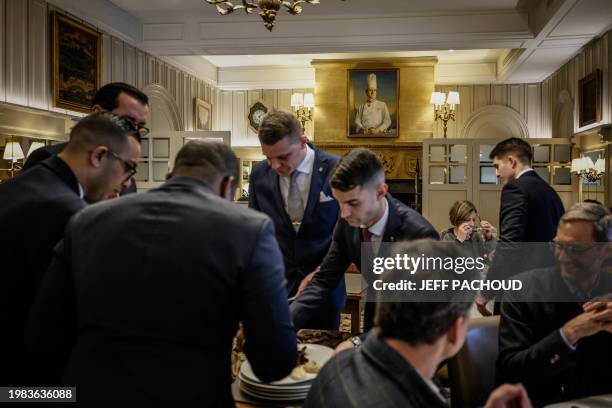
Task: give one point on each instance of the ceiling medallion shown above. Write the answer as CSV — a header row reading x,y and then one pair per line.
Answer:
x,y
268,8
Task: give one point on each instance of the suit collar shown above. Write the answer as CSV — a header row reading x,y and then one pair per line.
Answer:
x,y
527,172
64,172
394,223
320,170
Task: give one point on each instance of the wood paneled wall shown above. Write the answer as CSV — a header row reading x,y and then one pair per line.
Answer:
x,y
596,55
234,109
525,99
25,68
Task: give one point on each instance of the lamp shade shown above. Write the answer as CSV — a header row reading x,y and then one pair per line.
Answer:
x,y
453,98
308,100
12,151
588,163
576,165
600,165
297,100
34,146
437,98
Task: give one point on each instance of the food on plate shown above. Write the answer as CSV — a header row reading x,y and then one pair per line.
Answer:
x,y
312,367
298,373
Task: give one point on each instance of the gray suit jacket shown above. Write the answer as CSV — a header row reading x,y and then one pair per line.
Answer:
x,y
145,294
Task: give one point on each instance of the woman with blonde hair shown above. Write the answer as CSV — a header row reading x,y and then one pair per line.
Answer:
x,y
478,235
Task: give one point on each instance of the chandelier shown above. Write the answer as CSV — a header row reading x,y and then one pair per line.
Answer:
x,y
268,8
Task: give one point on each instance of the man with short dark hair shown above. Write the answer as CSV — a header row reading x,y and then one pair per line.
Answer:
x,y
555,336
292,188
529,212
367,214
396,364
116,97
99,160
157,328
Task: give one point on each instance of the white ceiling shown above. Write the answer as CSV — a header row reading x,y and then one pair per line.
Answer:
x,y
193,35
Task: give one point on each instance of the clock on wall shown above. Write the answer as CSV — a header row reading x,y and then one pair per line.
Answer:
x,y
256,113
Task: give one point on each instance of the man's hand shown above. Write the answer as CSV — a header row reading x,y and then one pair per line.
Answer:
x,y
345,345
581,326
481,305
602,312
509,396
306,281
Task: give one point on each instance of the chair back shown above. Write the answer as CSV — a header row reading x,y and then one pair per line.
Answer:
x,y
471,371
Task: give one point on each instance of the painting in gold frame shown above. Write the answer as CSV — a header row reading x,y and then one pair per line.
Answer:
x,y
202,115
77,63
373,102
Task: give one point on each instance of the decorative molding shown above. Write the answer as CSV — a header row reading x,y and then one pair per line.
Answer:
x,y
16,54
156,91
484,121
166,31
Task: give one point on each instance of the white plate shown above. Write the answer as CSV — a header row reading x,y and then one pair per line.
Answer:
x,y
281,388
267,394
252,394
314,352
274,391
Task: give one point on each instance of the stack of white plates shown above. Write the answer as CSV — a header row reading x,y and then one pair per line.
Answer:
x,y
286,389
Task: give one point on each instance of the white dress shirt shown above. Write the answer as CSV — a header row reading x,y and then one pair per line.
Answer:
x,y
303,178
373,114
524,171
378,229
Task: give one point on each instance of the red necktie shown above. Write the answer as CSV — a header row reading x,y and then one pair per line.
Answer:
x,y
366,235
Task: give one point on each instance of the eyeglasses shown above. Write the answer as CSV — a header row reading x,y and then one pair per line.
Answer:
x,y
128,167
142,131
572,249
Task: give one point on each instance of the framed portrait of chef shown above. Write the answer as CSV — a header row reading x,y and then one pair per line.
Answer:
x,y
373,102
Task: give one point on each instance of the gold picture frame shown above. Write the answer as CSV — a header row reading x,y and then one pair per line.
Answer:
x,y
387,84
76,63
202,115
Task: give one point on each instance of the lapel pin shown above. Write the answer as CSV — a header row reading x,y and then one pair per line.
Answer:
x,y
320,168
392,239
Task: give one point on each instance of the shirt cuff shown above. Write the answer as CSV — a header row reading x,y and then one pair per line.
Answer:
x,y
572,347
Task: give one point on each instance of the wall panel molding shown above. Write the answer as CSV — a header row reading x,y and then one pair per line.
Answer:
x,y
2,50
16,33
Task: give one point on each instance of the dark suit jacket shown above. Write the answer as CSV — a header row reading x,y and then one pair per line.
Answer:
x,y
530,212
372,376
36,205
302,251
532,351
403,224
154,285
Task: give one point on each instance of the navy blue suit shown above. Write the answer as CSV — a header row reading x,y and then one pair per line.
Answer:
x,y
403,224
303,251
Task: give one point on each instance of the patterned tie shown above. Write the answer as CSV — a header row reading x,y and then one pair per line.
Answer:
x,y
295,206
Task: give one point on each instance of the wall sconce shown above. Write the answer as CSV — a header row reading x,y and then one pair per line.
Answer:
x,y
303,105
13,153
444,106
583,168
